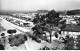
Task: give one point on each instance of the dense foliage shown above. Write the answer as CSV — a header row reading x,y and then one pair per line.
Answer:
x,y
78,40
47,23
17,40
69,42
73,12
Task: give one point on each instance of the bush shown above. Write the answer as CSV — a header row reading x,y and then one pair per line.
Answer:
x,y
17,40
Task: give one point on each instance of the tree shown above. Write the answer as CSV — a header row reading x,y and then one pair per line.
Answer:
x,y
69,43
47,23
38,29
2,43
73,12
54,22
78,40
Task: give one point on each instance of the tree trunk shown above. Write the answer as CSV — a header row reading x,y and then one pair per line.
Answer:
x,y
50,35
45,37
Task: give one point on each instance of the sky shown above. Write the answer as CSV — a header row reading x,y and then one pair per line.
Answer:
x,y
30,5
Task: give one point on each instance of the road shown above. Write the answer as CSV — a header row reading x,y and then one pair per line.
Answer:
x,y
8,25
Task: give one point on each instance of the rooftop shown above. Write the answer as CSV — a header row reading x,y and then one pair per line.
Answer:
x,y
72,28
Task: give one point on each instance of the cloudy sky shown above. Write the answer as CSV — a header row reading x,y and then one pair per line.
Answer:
x,y
30,5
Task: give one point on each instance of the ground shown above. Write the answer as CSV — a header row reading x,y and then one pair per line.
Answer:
x,y
29,44
32,45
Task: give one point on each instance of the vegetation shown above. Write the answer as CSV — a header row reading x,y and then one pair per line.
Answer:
x,y
17,40
73,12
47,23
45,48
69,42
78,40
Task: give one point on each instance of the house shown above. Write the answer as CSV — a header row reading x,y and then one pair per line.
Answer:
x,y
71,30
70,19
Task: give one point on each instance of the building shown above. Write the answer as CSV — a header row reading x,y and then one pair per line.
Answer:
x,y
71,30
70,19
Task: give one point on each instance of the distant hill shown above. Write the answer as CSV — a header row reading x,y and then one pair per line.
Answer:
x,y
11,12
62,12
42,11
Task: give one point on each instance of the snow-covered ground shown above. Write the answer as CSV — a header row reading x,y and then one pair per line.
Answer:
x,y
32,45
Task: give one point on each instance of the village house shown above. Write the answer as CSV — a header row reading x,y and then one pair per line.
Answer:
x,y
70,19
71,30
